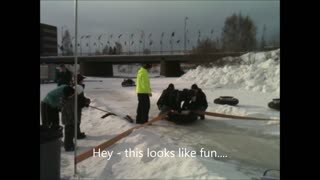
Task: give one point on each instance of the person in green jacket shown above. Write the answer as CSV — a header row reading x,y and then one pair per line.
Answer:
x,y
143,91
51,105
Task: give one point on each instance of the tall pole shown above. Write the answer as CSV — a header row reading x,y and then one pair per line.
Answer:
x,y
81,45
185,34
161,41
143,41
76,83
89,45
61,41
129,44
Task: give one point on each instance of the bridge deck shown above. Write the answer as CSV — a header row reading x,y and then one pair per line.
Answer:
x,y
120,59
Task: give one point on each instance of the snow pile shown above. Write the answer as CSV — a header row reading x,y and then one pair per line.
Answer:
x,y
258,72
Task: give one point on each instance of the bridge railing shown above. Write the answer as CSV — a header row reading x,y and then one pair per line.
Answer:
x,y
180,52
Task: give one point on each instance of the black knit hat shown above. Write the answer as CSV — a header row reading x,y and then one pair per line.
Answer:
x,y
147,65
194,86
171,86
80,77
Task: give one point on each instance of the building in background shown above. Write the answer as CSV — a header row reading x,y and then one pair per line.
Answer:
x,y
48,40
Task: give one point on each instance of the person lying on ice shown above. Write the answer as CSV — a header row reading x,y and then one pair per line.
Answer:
x,y
67,116
167,100
198,101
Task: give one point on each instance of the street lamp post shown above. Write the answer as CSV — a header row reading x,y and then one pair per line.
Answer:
x,y
89,45
199,35
81,44
143,41
171,42
211,34
161,42
75,80
129,44
185,34
119,41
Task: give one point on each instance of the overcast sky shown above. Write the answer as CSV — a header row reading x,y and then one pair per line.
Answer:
x,y
126,17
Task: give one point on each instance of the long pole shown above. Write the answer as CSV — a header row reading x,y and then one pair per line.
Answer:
x,y
76,83
129,45
185,34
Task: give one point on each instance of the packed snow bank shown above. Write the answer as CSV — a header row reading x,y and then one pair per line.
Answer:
x,y
258,72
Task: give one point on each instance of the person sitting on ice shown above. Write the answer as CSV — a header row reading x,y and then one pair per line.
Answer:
x,y
183,99
198,101
167,100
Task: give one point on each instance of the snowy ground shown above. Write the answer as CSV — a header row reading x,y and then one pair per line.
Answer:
x,y
250,146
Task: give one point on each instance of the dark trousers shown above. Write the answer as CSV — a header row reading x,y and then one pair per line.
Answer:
x,y
49,115
143,108
68,136
79,121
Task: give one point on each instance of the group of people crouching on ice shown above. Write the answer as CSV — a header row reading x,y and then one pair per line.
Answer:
x,y
183,106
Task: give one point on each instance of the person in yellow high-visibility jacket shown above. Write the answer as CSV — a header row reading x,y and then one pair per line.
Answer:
x,y
143,90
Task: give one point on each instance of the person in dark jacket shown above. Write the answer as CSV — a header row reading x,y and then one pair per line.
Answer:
x,y
82,102
184,98
50,105
64,76
168,100
67,117
198,101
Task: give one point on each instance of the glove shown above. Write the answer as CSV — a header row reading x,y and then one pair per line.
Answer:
x,y
88,101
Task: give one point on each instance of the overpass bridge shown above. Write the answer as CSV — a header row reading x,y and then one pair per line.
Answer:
x,y
101,65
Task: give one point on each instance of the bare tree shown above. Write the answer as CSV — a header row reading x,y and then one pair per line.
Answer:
x,y
66,46
105,50
239,33
206,46
118,48
263,41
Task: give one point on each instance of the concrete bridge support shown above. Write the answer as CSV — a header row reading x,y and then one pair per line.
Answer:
x,y
101,69
170,69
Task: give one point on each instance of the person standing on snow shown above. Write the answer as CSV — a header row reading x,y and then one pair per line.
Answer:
x,y
67,117
143,91
50,105
82,102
